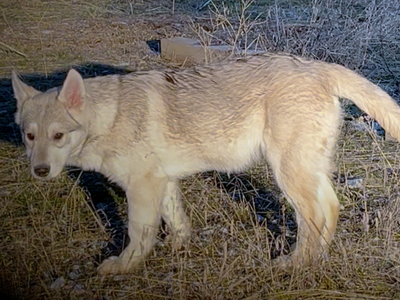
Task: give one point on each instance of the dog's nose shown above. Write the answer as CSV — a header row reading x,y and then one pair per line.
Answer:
x,y
42,170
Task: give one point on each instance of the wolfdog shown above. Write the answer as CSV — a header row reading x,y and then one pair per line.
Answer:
x,y
146,130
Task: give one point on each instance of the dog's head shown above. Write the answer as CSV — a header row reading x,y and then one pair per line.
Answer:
x,y
52,123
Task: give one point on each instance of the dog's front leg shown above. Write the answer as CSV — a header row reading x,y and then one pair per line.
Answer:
x,y
144,201
174,215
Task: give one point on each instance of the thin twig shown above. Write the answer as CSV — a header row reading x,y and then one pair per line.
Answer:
x,y
13,49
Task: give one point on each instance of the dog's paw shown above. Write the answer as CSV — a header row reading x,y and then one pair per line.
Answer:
x,y
111,265
178,242
294,261
283,262
118,265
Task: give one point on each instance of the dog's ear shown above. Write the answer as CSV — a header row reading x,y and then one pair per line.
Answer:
x,y
72,94
22,92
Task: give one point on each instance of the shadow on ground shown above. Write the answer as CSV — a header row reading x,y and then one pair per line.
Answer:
x,y
240,187
266,207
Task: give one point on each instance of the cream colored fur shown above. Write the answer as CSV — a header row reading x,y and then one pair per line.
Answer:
x,y
147,130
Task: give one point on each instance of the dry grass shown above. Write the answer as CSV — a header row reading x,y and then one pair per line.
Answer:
x,y
50,233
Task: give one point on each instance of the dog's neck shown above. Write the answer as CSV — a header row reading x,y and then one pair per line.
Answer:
x,y
100,116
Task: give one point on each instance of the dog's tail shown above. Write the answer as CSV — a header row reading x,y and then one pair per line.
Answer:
x,y
367,96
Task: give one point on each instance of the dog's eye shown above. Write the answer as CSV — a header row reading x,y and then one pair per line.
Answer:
x,y
30,136
58,136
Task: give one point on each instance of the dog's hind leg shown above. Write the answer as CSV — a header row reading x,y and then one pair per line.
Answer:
x,y
301,173
330,206
317,210
144,200
173,214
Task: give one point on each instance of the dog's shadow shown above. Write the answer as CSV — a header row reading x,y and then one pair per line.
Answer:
x,y
265,208
101,191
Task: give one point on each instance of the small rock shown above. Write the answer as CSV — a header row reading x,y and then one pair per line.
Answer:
x,y
206,232
4,193
290,234
59,283
119,277
260,218
225,230
351,284
232,252
354,183
89,264
73,275
160,244
78,289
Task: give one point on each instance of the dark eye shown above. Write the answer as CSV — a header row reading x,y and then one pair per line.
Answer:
x,y
30,136
58,136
